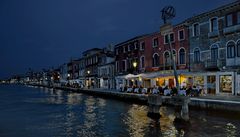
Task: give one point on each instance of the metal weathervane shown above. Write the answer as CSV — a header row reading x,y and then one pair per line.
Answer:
x,y
168,13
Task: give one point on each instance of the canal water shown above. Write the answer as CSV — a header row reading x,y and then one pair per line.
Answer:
x,y
41,112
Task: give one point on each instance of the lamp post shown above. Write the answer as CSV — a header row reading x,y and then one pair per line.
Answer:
x,y
173,64
88,72
135,66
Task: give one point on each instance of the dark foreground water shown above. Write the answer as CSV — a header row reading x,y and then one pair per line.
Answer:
x,y
41,112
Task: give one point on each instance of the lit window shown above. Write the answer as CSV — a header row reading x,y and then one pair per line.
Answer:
x,y
231,50
213,25
229,20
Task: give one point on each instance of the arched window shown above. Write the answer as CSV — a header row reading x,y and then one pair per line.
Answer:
x,y
238,48
214,52
142,61
196,55
167,58
231,49
182,56
156,60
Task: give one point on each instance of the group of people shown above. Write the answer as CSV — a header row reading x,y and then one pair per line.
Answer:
x,y
166,90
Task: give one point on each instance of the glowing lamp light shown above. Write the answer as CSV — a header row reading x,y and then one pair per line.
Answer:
x,y
88,71
134,64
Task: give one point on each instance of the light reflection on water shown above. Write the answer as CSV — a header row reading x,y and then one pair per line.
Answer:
x,y
47,112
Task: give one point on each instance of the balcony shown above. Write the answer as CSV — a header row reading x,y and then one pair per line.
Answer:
x,y
231,29
213,34
214,64
197,66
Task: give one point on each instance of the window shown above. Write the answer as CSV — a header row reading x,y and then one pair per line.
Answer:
x,y
142,45
124,49
238,17
167,59
142,62
116,51
226,83
117,66
196,55
196,29
182,56
181,35
238,48
214,52
156,60
129,47
166,39
124,65
213,25
155,42
231,49
135,45
229,20
172,37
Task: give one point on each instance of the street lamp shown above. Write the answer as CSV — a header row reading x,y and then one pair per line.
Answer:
x,y
134,64
88,72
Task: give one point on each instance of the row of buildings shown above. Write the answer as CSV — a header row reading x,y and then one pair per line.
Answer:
x,y
206,50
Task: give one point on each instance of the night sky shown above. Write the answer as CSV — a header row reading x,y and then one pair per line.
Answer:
x,y
44,33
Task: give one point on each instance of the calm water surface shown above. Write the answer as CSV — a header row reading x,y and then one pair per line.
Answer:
x,y
41,112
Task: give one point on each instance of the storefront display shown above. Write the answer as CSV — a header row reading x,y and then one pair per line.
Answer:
x,y
226,83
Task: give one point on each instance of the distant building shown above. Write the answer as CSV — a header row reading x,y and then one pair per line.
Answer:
x,y
106,68
91,67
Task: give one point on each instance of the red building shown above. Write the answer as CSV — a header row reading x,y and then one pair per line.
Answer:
x,y
152,56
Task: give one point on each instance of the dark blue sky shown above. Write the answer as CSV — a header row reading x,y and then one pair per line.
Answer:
x,y
43,33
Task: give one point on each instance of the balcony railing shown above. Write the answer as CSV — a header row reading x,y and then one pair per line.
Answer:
x,y
231,29
215,64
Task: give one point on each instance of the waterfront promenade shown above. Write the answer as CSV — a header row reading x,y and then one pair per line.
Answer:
x,y
212,102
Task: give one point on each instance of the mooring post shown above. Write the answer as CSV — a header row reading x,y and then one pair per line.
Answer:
x,y
181,107
154,104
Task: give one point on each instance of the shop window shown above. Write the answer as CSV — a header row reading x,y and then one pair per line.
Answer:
x,y
156,62
211,84
213,25
196,55
182,56
214,52
226,84
238,48
231,50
